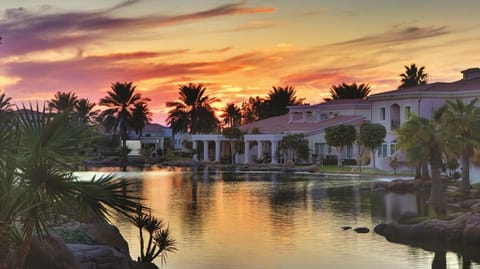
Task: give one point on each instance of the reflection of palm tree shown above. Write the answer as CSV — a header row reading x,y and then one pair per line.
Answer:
x,y
279,98
63,101
349,91
231,115
121,101
193,112
462,123
413,76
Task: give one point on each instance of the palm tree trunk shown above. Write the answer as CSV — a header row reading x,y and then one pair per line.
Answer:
x,y
465,172
437,197
4,245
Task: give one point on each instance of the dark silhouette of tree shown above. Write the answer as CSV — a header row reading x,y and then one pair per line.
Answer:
x,y
413,76
193,112
279,98
121,101
141,116
5,102
349,91
254,109
63,101
83,110
231,115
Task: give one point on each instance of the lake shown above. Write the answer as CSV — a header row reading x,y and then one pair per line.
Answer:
x,y
253,220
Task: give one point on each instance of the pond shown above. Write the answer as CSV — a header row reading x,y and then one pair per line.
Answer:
x,y
247,220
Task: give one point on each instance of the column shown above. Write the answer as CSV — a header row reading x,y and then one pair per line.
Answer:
x,y
217,151
205,150
274,151
259,150
247,152
194,145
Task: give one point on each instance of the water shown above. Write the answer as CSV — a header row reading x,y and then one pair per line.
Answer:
x,y
245,220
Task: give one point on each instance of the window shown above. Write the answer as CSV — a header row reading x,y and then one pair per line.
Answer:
x,y
349,153
382,151
323,116
393,148
382,113
407,112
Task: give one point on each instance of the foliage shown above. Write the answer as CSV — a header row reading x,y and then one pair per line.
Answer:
x,y
254,109
75,236
294,146
141,116
372,135
278,100
349,91
193,112
63,101
83,110
231,115
413,76
340,136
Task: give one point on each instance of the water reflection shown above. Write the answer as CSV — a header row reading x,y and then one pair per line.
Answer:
x,y
228,219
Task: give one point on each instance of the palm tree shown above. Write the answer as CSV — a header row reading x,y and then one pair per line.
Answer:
x,y
279,98
413,76
5,102
193,112
83,109
121,101
254,109
39,168
424,139
349,91
462,123
63,101
141,116
231,115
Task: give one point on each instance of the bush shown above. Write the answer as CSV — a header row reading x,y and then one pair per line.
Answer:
x,y
349,162
330,160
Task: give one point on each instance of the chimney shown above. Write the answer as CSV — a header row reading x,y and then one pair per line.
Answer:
x,y
471,73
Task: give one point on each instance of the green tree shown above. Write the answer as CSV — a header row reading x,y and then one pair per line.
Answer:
x,y
231,115
372,135
424,139
121,101
37,166
63,101
193,112
462,125
294,146
349,91
83,110
340,136
141,116
278,100
413,76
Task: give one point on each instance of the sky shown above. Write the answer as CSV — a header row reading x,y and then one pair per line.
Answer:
x,y
237,49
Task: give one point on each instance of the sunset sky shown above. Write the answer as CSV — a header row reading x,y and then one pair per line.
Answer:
x,y
237,48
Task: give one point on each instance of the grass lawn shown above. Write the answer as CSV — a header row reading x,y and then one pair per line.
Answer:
x,y
357,170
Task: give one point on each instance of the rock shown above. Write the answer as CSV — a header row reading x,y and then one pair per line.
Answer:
x,y
406,217
50,252
476,208
99,256
106,234
144,265
346,228
362,230
288,165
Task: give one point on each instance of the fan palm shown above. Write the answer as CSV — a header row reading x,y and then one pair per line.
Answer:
x,y
413,76
349,91
193,112
462,123
423,140
231,115
63,101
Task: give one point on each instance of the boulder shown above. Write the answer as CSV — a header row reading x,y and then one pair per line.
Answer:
x,y
106,234
362,230
50,252
99,256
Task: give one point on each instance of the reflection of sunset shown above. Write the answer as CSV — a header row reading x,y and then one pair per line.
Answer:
x,y
238,49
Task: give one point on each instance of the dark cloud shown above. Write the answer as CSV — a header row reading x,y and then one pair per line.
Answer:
x,y
399,35
24,31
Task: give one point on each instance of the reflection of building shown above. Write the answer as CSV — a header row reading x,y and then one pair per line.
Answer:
x,y
391,109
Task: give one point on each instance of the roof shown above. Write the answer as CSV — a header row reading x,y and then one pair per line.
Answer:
x,y
280,124
153,128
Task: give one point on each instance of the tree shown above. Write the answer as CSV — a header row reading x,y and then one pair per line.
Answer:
x,y
294,146
413,76
231,115
349,91
83,110
372,135
340,136
63,101
424,139
254,109
232,133
141,116
462,125
121,101
193,112
37,166
279,98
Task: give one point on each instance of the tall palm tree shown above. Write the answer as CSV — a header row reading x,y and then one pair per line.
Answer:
x,y
279,98
83,109
349,91
413,76
254,109
193,112
141,116
423,139
462,123
63,101
231,115
121,101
